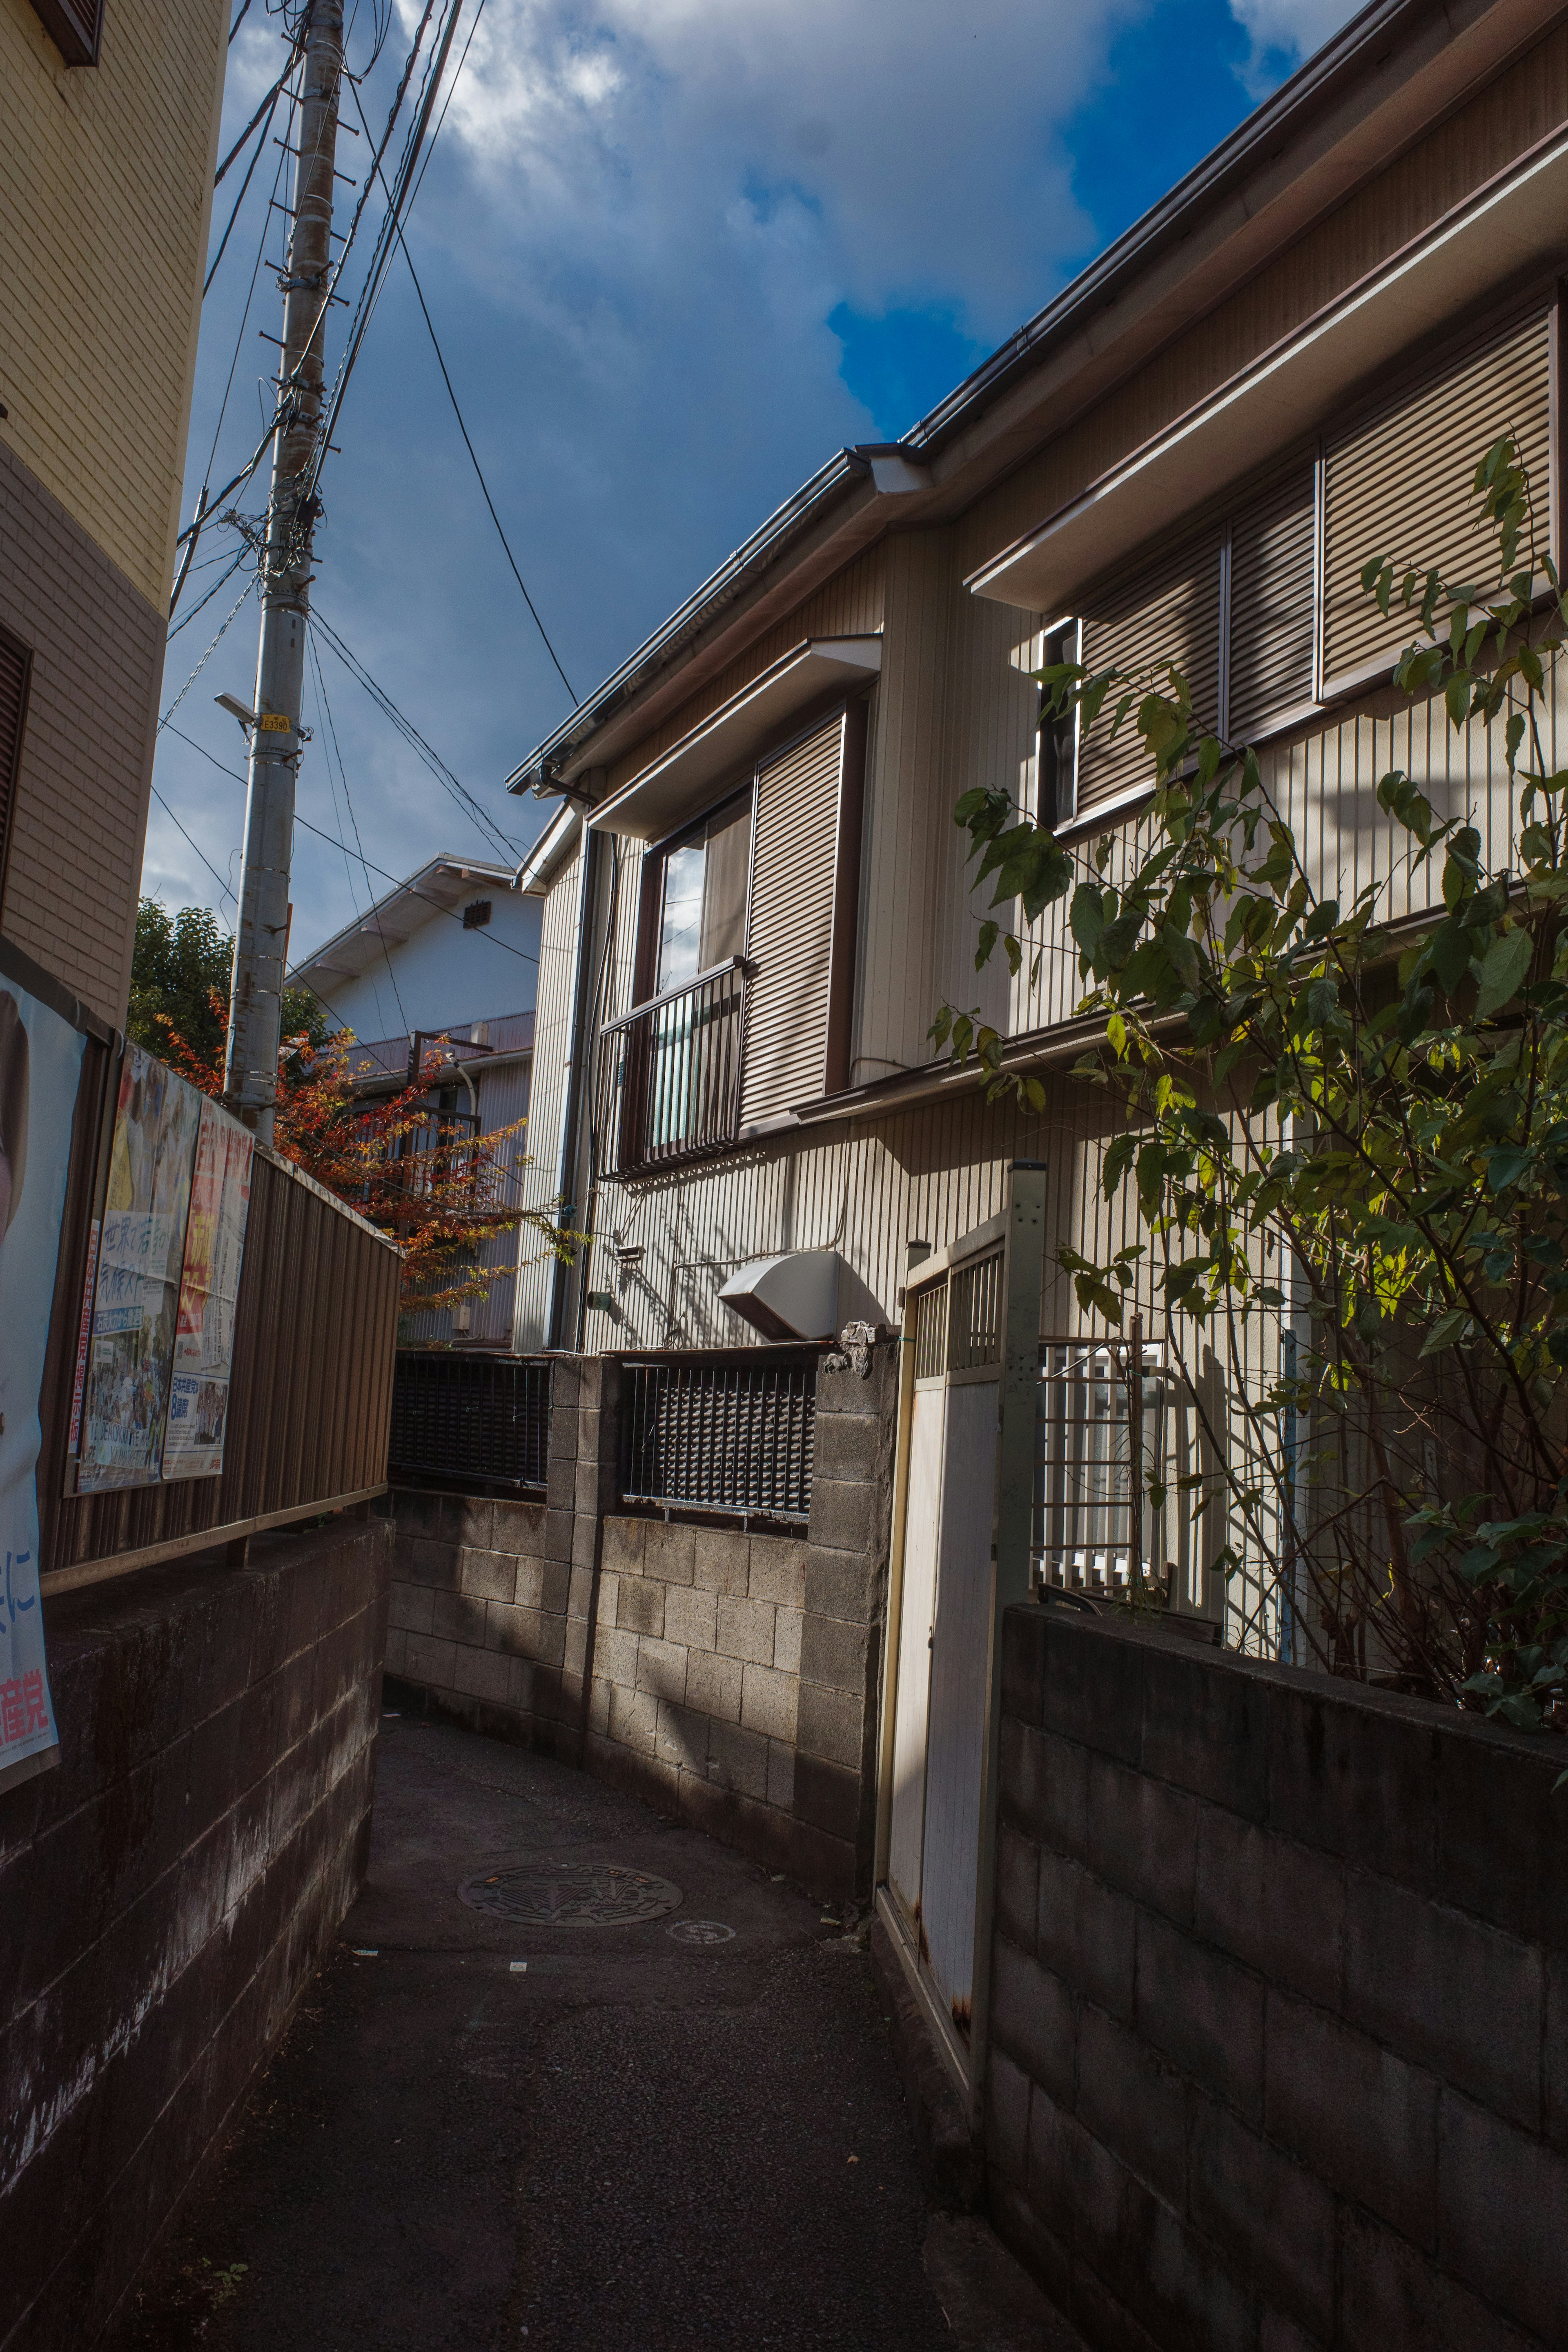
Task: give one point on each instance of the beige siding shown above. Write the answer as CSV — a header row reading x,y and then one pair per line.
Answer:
x,y
105,184
909,810
789,932
539,1181
848,606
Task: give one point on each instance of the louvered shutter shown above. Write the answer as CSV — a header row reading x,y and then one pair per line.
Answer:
x,y
789,938
76,26
1398,485
16,663
1272,615
1170,613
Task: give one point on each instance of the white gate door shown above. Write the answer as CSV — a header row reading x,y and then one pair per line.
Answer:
x,y
943,1665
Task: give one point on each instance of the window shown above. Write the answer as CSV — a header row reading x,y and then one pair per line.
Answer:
x,y
745,960
76,27
15,671
1397,484
701,897
1263,609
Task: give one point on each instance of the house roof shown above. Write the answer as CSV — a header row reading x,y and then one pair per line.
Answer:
x,y
440,887
1395,68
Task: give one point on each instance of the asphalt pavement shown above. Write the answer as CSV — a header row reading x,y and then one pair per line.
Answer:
x,y
646,2098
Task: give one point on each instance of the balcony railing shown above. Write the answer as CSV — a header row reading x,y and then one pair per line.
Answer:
x,y
669,1075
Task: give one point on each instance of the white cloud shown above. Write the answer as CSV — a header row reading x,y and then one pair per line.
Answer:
x,y
904,153
1287,30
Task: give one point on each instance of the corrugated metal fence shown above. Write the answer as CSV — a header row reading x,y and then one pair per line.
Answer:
x,y
311,1393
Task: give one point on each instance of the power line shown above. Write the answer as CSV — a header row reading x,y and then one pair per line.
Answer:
x,y
380,871
411,735
440,357
348,802
204,661
479,470
206,861
212,591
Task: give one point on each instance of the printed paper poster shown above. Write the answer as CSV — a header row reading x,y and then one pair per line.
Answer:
x,y
209,1290
40,1069
130,1357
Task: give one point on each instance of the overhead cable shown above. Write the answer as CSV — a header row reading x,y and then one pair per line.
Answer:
x,y
451,395
368,864
411,735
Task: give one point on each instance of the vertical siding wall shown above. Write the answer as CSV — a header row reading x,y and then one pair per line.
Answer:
x,y
539,1182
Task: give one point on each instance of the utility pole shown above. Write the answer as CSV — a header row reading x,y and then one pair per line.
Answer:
x,y
260,947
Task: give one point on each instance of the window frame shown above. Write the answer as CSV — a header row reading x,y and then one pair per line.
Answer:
x,y
1483,324
75,26
646,989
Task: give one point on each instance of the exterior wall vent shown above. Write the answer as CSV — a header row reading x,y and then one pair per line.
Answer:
x,y
794,1296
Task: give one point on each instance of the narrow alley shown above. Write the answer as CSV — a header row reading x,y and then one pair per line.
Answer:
x,y
676,2123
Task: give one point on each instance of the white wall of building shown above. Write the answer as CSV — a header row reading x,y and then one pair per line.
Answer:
x,y
442,976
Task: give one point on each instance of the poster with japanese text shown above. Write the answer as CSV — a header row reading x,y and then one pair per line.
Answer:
x,y
209,1292
142,1247
40,1070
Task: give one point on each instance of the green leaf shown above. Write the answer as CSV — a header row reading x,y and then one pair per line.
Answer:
x,y
1507,1165
1446,1330
989,934
1119,1158
1503,970
1087,916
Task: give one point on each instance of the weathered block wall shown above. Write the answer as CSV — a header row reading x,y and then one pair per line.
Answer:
x,y
167,1893
1280,2006
729,1676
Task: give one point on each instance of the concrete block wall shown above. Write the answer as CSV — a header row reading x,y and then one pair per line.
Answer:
x,y
168,1892
727,1675
1279,2003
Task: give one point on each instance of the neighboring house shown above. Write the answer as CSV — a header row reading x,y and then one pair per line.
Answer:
x,y
756,898
407,978
108,118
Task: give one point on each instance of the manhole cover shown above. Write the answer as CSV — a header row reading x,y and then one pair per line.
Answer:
x,y
570,1894
701,1931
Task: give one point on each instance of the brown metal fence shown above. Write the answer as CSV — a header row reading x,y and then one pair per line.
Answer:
x,y
311,1388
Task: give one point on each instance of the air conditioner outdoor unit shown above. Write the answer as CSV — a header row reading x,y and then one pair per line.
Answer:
x,y
794,1296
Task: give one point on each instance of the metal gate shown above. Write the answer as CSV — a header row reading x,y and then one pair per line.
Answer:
x,y
964,1512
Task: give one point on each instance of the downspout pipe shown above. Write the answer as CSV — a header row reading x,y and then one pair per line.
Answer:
x,y
576,1074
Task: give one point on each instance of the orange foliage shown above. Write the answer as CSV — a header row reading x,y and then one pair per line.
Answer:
x,y
416,1172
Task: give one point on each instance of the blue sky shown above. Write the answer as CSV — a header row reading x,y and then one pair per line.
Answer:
x,y
677,251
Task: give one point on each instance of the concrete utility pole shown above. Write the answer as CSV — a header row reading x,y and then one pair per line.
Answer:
x,y
251,1073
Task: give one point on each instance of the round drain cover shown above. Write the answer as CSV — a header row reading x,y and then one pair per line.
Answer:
x,y
570,1894
701,1931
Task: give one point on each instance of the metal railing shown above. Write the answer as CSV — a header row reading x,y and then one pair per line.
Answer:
x,y
480,1420
669,1075
726,1433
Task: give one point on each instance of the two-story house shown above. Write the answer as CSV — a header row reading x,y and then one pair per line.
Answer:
x,y
756,897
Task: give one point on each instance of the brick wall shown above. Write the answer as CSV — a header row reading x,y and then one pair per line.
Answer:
x,y
87,755
167,1893
1280,2004
105,195
729,1676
